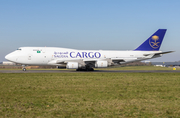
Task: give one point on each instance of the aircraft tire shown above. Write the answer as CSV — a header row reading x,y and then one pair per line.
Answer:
x,y
24,69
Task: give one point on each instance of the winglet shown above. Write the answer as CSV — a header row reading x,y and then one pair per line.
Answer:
x,y
153,43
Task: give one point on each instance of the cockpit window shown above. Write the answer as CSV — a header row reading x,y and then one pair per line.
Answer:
x,y
19,49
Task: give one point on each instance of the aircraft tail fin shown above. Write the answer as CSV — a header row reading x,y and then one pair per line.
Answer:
x,y
153,43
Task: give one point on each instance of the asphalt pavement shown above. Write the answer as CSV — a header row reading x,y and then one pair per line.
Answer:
x,y
99,71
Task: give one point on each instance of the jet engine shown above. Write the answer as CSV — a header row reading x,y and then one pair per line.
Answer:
x,y
101,64
72,65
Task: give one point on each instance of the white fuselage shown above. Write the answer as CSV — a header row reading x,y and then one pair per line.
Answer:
x,y
52,55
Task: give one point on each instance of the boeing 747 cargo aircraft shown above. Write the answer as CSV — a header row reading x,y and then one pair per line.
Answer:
x,y
87,59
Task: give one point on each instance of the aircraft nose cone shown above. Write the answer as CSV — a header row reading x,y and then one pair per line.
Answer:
x,y
9,57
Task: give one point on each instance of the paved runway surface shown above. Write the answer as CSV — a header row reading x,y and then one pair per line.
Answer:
x,y
100,71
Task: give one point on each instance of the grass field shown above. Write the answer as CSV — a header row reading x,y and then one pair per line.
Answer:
x,y
90,95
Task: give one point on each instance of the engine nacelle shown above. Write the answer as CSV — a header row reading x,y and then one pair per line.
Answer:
x,y
101,64
72,65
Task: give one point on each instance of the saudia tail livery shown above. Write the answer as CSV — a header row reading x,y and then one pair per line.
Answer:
x,y
87,59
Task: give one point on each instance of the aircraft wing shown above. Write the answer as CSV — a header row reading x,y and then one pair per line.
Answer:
x,y
57,61
92,61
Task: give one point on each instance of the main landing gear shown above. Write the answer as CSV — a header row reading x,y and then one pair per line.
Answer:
x,y
86,69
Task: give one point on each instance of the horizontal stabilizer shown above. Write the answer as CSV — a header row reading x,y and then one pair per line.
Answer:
x,y
165,52
159,53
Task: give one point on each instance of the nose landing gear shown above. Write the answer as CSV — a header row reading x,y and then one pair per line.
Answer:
x,y
23,67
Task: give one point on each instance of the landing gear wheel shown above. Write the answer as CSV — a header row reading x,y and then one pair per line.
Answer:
x,y
92,69
85,69
24,69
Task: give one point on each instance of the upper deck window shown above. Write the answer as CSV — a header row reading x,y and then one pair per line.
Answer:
x,y
19,49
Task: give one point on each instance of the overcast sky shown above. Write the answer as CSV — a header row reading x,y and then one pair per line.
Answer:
x,y
89,24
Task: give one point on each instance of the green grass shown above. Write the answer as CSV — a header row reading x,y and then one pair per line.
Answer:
x,y
90,95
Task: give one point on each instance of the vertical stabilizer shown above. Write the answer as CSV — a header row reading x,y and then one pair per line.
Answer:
x,y
153,43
